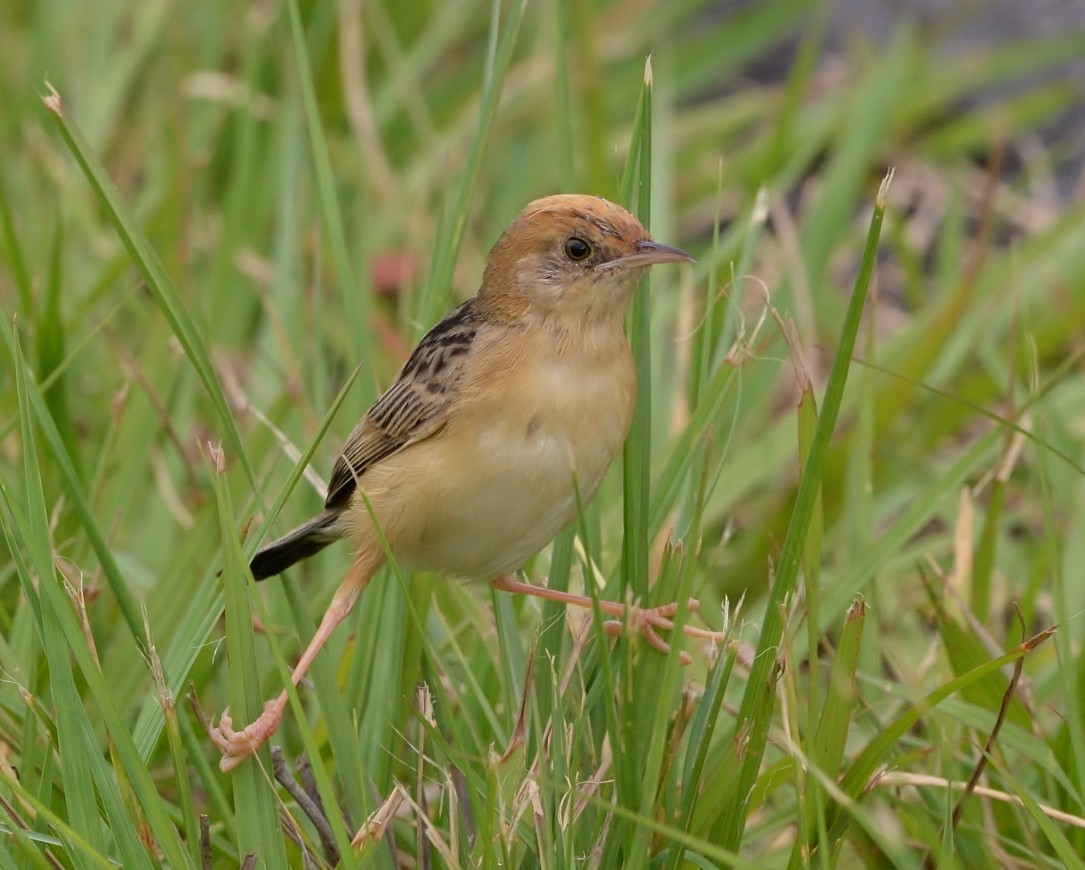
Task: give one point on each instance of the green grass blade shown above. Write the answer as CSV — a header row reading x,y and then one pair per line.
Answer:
x,y
502,41
51,353
150,266
64,640
15,259
827,747
757,701
355,296
637,452
80,502
563,16
1067,853
878,750
86,856
861,131
255,810
71,734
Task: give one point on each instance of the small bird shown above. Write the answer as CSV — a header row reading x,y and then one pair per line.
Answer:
x,y
509,409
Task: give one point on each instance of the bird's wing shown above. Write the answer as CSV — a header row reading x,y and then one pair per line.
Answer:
x,y
415,406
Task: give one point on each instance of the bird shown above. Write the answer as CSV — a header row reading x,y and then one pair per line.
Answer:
x,y
503,420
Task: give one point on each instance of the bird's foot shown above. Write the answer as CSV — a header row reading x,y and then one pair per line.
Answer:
x,y
649,621
236,746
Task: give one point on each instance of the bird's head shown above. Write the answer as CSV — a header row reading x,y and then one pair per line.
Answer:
x,y
570,259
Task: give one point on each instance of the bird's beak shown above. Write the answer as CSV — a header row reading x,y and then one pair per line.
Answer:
x,y
647,254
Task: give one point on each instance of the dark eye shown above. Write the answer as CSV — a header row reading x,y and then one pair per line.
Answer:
x,y
576,249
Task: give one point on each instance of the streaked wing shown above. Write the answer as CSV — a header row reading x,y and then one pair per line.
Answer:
x,y
414,407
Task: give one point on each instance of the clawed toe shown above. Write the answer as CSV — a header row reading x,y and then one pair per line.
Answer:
x,y
236,746
649,621
222,733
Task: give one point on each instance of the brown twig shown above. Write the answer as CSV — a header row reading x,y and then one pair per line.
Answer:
x,y
205,842
312,808
989,747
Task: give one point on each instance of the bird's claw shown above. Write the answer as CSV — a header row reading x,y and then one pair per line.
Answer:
x,y
236,746
649,621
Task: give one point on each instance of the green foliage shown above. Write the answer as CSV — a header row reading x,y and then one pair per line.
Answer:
x,y
858,443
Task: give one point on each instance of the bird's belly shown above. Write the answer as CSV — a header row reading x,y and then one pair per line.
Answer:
x,y
481,497
506,500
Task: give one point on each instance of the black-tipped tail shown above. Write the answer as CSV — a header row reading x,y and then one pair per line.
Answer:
x,y
303,542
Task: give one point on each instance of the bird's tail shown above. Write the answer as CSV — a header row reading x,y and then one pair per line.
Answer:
x,y
303,542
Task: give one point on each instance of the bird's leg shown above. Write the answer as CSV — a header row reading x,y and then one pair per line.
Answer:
x,y
235,745
648,621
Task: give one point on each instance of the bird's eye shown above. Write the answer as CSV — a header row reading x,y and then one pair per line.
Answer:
x,y
576,249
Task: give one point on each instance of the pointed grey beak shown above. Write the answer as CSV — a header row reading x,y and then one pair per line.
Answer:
x,y
647,254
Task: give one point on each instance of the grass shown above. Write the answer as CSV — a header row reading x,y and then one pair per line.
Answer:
x,y
858,442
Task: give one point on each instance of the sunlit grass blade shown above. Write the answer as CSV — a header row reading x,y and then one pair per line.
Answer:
x,y
186,802
826,751
983,567
655,711
147,261
65,642
701,731
757,701
637,453
69,716
255,810
812,546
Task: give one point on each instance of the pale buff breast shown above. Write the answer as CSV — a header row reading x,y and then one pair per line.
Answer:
x,y
495,486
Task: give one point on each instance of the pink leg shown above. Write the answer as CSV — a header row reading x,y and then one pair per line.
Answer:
x,y
236,746
646,620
